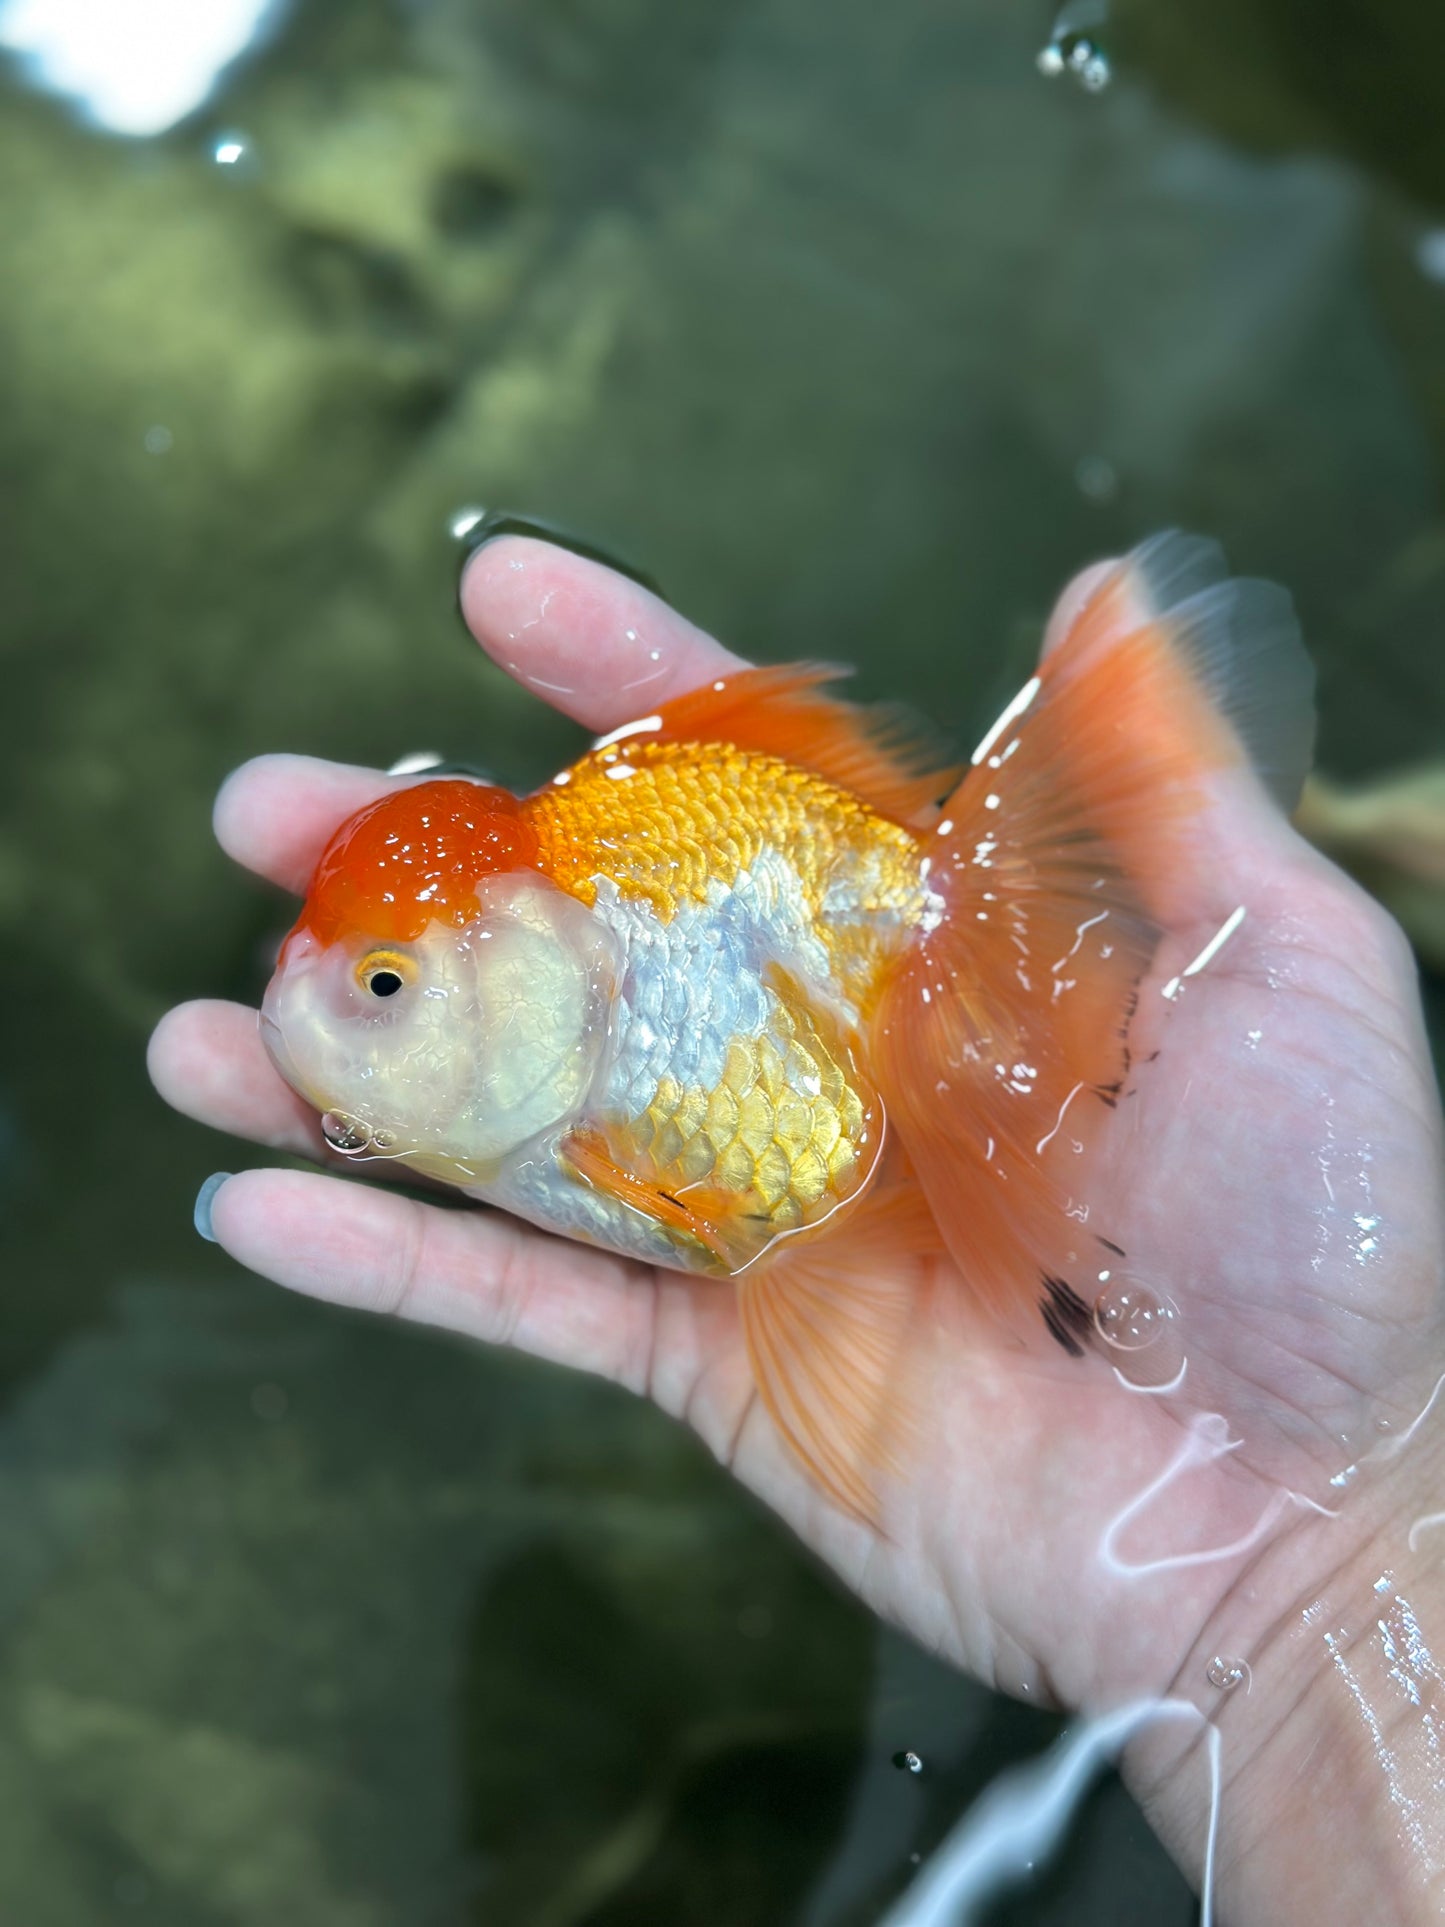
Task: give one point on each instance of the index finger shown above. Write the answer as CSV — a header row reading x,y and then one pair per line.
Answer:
x,y
595,645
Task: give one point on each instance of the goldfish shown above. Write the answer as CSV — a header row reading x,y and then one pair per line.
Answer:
x,y
762,990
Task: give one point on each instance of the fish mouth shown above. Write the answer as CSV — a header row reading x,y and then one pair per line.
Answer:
x,y
345,1133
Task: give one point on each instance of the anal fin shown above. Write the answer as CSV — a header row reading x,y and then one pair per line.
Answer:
x,y
831,1325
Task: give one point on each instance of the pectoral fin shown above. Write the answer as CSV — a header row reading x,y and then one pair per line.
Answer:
x,y
707,1219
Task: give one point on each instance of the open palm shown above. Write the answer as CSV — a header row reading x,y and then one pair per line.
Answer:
x,y
1273,1169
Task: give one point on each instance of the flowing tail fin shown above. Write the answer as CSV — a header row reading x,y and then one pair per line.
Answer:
x,y
1053,867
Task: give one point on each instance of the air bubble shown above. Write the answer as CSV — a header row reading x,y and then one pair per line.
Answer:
x,y
1226,1673
1129,1315
345,1134
1073,47
908,1762
1095,74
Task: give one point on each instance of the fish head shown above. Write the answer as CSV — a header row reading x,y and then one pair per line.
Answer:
x,y
439,998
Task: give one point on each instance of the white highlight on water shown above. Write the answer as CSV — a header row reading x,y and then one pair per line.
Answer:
x,y
462,521
1049,1136
623,730
135,66
1024,1815
1389,1448
1206,1440
1212,949
1154,1391
1015,709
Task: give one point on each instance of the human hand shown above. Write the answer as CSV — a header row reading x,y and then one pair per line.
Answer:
x,y
1275,1171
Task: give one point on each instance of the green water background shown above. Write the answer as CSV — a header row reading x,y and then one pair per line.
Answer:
x,y
861,335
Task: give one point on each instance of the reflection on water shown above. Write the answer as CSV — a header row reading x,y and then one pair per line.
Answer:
x,y
137,67
862,334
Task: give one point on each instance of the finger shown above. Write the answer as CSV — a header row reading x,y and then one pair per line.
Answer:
x,y
476,1272
595,645
208,1062
276,814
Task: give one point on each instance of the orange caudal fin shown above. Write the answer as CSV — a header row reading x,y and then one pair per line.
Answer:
x,y
1239,642
832,1327
1001,1040
891,761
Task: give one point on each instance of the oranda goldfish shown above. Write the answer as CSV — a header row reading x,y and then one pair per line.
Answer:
x,y
757,991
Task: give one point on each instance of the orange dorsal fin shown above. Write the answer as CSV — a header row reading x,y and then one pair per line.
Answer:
x,y
832,1325
880,755
1001,1041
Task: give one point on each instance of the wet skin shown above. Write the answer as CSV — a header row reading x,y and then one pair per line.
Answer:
x,y
1275,1168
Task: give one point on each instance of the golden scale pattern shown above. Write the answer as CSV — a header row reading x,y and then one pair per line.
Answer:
x,y
784,1127
786,1124
690,815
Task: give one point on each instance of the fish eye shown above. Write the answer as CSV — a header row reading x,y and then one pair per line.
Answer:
x,y
385,972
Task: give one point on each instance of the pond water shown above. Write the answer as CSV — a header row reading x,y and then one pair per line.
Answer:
x,y
861,332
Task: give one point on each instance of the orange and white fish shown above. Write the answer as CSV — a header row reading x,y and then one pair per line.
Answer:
x,y
738,995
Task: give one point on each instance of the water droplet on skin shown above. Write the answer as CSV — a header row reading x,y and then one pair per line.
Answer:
x,y
908,1762
1225,1673
344,1134
1130,1315
383,1141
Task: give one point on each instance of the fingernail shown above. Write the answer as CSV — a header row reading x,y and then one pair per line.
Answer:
x,y
204,1199
474,528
